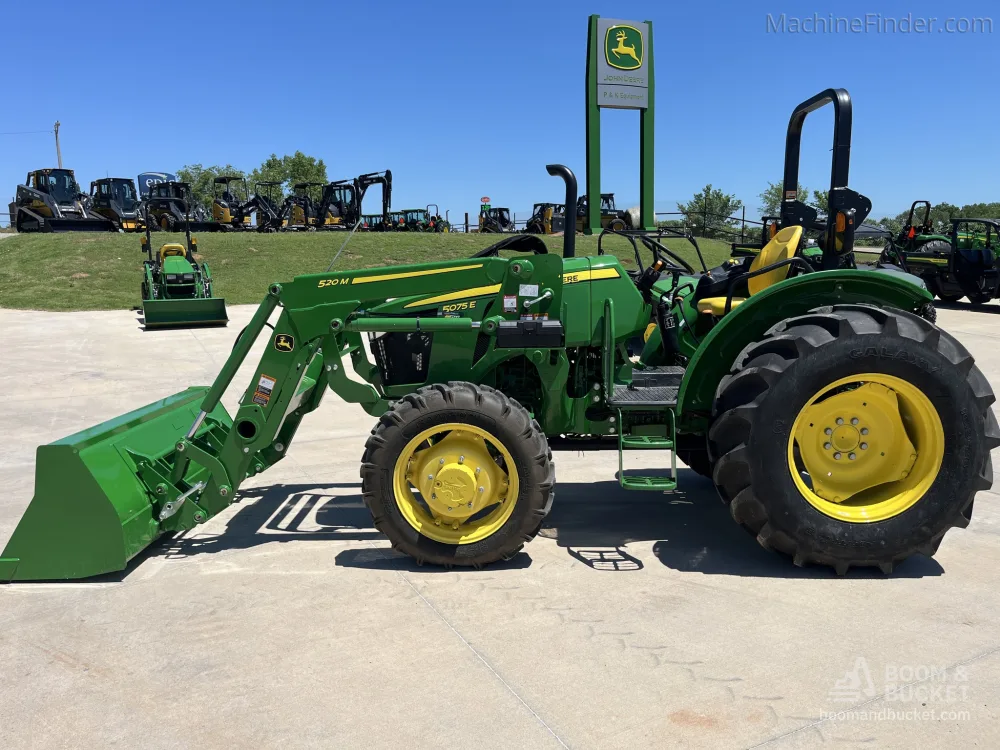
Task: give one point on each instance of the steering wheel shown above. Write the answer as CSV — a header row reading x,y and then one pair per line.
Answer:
x,y
521,243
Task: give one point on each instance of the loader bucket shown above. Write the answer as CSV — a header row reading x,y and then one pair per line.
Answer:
x,y
91,512
201,311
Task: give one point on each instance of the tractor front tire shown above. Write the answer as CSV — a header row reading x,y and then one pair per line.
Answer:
x,y
790,435
452,437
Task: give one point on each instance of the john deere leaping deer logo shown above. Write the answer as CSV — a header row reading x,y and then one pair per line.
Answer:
x,y
284,343
623,47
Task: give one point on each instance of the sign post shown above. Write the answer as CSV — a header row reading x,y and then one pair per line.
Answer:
x,y
619,76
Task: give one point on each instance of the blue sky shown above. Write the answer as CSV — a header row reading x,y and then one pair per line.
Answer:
x,y
464,100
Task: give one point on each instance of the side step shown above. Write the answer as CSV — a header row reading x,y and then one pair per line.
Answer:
x,y
648,442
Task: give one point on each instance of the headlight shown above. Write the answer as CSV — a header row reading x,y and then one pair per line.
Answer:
x,y
171,277
189,277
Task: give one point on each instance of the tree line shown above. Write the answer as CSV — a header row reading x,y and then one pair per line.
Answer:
x,y
710,212
286,170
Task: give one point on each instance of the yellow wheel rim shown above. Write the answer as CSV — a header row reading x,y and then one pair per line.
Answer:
x,y
455,483
866,448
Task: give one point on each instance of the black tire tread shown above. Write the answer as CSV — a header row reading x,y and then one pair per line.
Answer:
x,y
756,369
479,398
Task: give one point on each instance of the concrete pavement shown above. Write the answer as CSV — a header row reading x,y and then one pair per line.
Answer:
x,y
635,619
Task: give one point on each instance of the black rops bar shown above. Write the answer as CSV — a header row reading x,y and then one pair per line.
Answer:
x,y
569,231
843,115
853,206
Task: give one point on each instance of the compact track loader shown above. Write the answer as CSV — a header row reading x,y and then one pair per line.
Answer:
x,y
50,200
116,199
176,287
839,427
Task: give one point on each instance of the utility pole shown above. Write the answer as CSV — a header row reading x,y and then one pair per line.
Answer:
x,y
58,152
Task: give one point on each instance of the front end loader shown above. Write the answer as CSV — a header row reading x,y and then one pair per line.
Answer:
x,y
50,200
840,427
177,289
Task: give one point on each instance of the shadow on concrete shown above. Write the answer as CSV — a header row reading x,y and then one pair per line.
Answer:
x,y
382,558
968,306
306,512
691,531
284,513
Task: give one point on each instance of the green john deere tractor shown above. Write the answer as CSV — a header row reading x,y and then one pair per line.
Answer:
x,y
839,427
965,263
176,288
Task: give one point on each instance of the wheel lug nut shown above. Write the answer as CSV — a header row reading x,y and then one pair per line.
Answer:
x,y
864,430
854,420
441,462
852,456
478,469
840,420
864,446
430,476
470,505
828,431
461,459
451,509
828,446
836,456
482,490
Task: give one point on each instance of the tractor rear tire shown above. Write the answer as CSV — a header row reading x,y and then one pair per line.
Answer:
x,y
759,404
485,411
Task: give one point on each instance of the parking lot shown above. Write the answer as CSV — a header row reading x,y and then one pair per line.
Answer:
x,y
633,620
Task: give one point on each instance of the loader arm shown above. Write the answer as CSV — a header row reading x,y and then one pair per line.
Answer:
x,y
174,464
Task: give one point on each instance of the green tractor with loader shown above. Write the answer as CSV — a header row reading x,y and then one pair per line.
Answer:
x,y
839,427
177,288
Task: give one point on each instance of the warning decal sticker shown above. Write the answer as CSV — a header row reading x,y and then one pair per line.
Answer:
x,y
264,388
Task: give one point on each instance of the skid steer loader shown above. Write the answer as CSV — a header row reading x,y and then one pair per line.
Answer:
x,y
116,199
839,427
50,200
176,287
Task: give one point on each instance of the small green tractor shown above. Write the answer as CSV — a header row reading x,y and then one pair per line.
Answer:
x,y
839,427
176,288
965,263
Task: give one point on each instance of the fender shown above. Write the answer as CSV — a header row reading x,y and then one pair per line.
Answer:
x,y
796,296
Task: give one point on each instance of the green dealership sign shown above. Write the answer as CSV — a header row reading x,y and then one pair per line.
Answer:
x,y
619,76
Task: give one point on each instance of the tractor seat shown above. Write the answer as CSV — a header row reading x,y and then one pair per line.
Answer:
x,y
171,249
782,247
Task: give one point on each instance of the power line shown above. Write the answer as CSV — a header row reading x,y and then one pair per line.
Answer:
x,y
26,132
